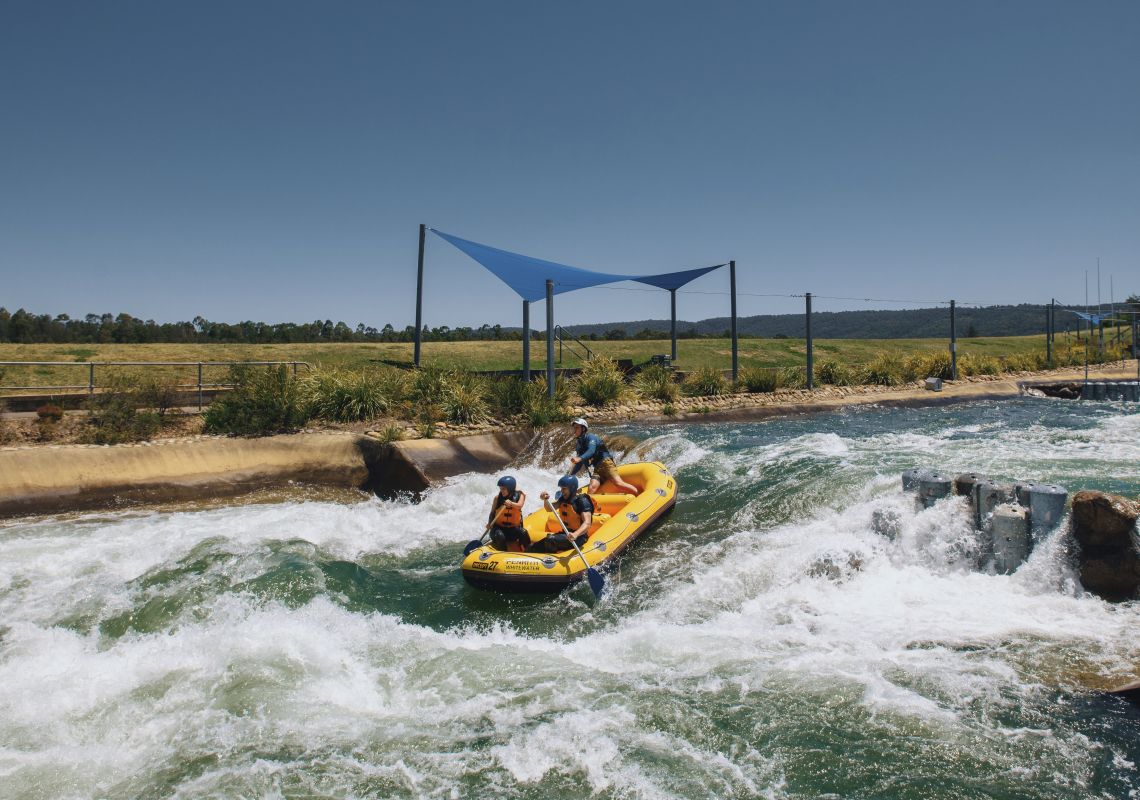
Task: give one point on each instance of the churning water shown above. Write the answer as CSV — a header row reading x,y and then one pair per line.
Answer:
x,y
764,641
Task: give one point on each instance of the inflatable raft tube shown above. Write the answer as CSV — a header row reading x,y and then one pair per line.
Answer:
x,y
618,520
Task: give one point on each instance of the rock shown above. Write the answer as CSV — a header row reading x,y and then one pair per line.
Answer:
x,y
1103,520
1104,527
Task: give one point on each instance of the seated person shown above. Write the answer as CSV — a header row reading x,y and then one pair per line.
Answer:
x,y
506,516
576,511
592,453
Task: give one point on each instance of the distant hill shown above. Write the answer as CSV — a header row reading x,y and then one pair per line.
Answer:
x,y
921,323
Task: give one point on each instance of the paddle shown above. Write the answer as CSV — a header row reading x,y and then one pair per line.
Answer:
x,y
597,582
475,544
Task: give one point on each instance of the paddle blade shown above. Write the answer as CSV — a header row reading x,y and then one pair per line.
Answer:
x,y
474,544
597,582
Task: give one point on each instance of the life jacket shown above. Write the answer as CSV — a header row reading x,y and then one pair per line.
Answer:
x,y
510,516
601,452
571,512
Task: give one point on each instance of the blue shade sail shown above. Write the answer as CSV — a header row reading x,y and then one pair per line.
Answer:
x,y
1091,319
675,280
528,276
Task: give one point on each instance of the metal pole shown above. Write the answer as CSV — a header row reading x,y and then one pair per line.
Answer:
x,y
673,321
550,338
732,289
807,337
420,295
91,380
953,345
526,341
200,386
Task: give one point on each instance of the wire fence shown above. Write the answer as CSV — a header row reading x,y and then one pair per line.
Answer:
x,y
17,376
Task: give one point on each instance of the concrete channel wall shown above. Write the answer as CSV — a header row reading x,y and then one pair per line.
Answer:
x,y
63,478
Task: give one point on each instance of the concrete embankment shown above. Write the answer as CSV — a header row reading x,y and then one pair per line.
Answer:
x,y
63,478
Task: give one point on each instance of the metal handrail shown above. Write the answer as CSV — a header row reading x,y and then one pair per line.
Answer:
x,y
90,365
561,334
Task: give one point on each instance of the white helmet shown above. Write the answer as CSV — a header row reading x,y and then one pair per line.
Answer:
x,y
581,421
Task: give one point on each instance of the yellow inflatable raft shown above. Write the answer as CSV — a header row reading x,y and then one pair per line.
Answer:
x,y
618,520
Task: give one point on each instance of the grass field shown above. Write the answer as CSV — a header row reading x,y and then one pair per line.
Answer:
x,y
490,355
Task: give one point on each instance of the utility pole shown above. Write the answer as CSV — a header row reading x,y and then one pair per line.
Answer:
x,y
807,336
732,289
953,346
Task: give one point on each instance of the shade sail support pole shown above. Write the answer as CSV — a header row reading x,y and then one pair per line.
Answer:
x,y
673,322
550,338
420,296
526,341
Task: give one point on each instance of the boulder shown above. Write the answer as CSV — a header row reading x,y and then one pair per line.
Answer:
x,y
1104,528
1103,520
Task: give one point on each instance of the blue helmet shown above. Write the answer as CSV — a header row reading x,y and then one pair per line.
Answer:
x,y
568,485
509,482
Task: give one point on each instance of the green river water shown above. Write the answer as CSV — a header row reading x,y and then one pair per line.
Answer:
x,y
763,641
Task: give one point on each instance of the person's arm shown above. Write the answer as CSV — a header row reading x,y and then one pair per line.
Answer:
x,y
586,512
521,500
494,509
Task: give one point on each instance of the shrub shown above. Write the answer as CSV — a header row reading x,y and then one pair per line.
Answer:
x,y
600,382
759,379
542,410
464,399
509,397
390,433
971,364
669,410
158,395
427,418
427,385
792,378
262,402
119,414
346,397
931,364
49,411
705,382
886,369
657,383
832,372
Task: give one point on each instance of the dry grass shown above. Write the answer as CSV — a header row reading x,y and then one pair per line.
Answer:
x,y
693,355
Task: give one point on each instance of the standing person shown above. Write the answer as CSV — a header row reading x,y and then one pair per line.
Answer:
x,y
577,512
592,452
506,516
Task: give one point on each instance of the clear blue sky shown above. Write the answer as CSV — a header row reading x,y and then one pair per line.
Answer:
x,y
272,160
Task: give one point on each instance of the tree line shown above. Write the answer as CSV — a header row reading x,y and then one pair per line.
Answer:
x,y
23,327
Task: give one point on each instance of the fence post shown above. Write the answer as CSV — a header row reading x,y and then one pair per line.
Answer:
x,y
807,336
1049,335
91,380
199,385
